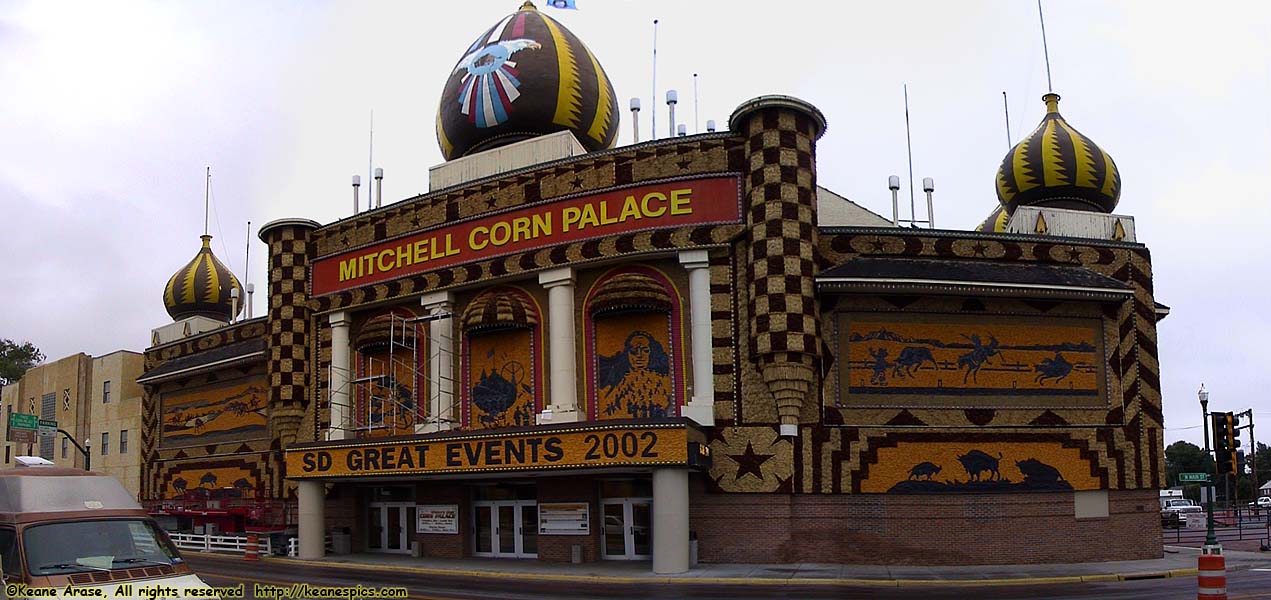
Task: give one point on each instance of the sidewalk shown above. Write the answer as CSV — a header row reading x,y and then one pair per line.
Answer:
x,y
1177,562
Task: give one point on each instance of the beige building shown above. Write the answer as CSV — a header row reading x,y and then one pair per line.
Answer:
x,y
95,399
115,416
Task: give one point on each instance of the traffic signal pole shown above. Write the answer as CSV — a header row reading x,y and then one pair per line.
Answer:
x,y
1211,540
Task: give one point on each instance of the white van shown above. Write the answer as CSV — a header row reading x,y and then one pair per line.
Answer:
x,y
66,527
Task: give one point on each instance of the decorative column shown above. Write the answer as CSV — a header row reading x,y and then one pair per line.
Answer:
x,y
563,354
441,361
781,134
288,341
338,395
670,521
701,407
312,520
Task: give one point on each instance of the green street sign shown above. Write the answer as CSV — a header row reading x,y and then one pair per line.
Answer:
x,y
21,421
1202,477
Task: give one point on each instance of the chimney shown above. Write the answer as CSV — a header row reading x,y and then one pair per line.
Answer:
x,y
929,186
671,99
710,125
233,304
357,183
251,287
681,130
379,186
635,120
893,184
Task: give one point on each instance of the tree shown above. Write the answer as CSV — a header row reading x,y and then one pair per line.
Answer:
x,y
1264,463
1186,457
16,358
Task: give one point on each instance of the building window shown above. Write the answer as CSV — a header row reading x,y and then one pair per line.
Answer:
x,y
105,443
106,392
65,446
123,441
501,367
8,453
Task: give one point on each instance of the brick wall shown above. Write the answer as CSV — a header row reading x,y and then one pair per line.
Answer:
x,y
558,548
440,545
922,530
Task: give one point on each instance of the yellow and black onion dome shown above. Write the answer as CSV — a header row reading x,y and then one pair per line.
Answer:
x,y
524,77
202,288
995,222
1057,166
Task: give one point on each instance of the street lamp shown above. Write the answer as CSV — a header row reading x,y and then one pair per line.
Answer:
x,y
88,454
1210,538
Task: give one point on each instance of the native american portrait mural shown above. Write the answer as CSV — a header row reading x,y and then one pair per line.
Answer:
x,y
633,367
210,414
933,360
971,467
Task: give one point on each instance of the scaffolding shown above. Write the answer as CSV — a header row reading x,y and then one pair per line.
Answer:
x,y
389,397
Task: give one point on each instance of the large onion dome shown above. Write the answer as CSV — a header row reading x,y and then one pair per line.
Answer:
x,y
1057,166
527,76
995,222
202,288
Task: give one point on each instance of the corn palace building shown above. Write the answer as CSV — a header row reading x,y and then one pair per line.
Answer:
x,y
680,349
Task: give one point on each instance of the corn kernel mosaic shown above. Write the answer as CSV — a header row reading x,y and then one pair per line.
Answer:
x,y
228,411
634,375
936,468
500,378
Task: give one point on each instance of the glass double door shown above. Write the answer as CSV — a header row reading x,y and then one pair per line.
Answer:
x,y
389,526
506,528
628,528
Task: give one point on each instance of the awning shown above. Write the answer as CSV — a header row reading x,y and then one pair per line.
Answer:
x,y
968,277
209,360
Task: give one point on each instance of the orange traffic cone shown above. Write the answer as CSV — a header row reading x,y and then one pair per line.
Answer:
x,y
253,548
1211,574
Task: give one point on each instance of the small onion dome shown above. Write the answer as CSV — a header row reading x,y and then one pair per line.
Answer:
x,y
498,308
382,329
630,291
202,288
527,76
1056,166
996,221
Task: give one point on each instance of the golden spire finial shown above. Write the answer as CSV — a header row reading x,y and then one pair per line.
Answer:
x,y
207,240
528,6
1052,102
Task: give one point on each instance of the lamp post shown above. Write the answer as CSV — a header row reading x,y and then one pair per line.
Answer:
x,y
1210,538
88,455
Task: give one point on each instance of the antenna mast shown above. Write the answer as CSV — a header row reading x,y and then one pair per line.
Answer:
x,y
247,256
370,157
653,126
207,192
910,149
1006,108
696,127
1045,48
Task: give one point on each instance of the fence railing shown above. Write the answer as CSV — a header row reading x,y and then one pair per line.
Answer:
x,y
1229,526
235,544
293,546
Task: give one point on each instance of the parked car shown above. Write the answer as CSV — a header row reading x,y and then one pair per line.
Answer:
x,y
1262,503
1174,509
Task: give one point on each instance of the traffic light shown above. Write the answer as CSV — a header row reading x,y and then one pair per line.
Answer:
x,y
1225,441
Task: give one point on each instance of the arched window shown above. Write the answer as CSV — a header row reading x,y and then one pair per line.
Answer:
x,y
635,346
389,375
501,364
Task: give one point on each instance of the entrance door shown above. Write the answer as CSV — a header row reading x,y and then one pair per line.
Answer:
x,y
506,528
628,528
389,525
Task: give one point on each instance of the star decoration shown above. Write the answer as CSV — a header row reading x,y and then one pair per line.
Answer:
x,y
749,462
1074,255
577,182
876,245
344,240
979,248
414,221
490,202
683,163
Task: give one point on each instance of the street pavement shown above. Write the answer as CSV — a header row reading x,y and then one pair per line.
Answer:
x,y
1250,580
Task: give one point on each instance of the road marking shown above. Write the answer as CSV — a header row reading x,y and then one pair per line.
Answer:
x,y
289,583
1260,569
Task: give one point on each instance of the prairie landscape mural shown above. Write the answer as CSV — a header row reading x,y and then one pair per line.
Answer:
x,y
960,361
233,411
971,467
233,481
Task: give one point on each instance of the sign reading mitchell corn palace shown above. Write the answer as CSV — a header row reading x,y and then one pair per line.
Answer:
x,y
673,339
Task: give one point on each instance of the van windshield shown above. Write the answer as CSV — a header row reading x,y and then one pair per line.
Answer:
x,y
74,546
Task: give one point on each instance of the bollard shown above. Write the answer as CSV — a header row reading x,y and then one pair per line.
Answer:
x,y
253,548
1211,574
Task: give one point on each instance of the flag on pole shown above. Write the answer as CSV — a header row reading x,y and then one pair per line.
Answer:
x,y
563,4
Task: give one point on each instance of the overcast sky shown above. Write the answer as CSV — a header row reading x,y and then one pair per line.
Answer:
x,y
109,113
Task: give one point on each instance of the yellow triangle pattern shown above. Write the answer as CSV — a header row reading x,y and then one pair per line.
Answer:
x,y
1004,191
1110,176
213,291
604,105
1085,159
568,95
1118,233
187,288
1052,163
1019,165
1040,228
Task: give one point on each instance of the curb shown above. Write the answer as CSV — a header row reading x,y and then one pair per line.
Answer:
x,y
751,581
